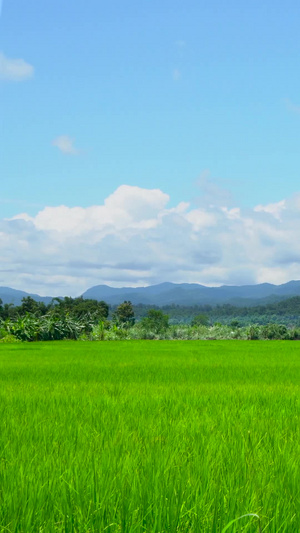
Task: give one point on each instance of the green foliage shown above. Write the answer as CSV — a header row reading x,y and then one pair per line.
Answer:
x,y
124,314
200,320
155,321
294,334
76,307
25,328
53,326
235,323
9,339
285,312
3,332
271,332
49,327
80,308
74,318
275,331
29,305
116,333
253,333
98,332
77,317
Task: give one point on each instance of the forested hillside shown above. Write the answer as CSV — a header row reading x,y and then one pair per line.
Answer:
x,y
283,312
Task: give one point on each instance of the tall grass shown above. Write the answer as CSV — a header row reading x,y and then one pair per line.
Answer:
x,y
154,437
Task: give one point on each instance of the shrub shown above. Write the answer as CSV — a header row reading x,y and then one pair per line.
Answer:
x,y
275,331
253,333
9,339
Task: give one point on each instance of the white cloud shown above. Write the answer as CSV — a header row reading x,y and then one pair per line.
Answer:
x,y
65,144
14,69
134,238
274,209
200,219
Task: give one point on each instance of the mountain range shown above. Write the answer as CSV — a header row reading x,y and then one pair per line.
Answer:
x,y
185,294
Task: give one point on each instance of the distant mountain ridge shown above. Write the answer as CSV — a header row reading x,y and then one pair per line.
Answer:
x,y
188,294
14,296
185,294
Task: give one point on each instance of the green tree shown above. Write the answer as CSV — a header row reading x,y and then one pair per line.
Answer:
x,y
29,305
235,323
200,320
80,307
124,314
155,321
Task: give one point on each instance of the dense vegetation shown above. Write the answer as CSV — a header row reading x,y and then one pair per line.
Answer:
x,y
284,312
149,437
78,318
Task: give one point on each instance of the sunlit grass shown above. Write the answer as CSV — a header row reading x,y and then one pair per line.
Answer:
x,y
149,436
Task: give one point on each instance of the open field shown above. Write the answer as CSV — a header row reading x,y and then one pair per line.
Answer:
x,y
154,437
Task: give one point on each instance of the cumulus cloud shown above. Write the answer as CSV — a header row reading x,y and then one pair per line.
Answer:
x,y
14,69
274,209
135,238
65,144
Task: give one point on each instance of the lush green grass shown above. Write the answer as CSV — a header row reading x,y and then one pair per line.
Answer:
x,y
149,436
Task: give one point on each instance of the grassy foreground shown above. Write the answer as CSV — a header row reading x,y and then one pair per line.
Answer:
x,y
154,437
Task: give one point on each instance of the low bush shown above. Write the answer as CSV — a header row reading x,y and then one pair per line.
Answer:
x,y
9,339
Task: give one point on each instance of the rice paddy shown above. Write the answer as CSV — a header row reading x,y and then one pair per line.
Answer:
x,y
141,436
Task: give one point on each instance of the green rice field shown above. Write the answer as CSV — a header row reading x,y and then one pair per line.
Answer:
x,y
145,436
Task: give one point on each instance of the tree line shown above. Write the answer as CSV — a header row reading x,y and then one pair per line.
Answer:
x,y
285,312
87,319
72,318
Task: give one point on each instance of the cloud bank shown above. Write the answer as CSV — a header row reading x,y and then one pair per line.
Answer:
x,y
14,69
134,238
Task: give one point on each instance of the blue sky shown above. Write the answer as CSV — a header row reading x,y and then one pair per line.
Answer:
x,y
198,100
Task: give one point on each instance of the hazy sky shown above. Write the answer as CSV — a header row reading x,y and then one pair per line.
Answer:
x,y
148,141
